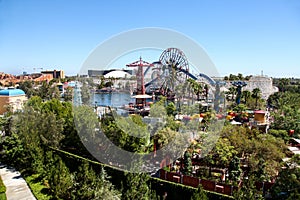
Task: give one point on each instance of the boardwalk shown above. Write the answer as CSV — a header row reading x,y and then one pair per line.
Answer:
x,y
16,187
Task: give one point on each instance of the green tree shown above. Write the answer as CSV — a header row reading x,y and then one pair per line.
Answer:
x,y
283,134
53,92
240,108
68,95
27,87
221,154
206,88
109,84
40,124
232,92
200,194
60,180
187,163
102,82
246,95
43,91
248,191
14,153
233,77
35,102
135,185
196,86
234,169
171,109
197,89
287,185
283,83
260,174
266,155
253,146
138,136
89,185
287,111
240,76
256,94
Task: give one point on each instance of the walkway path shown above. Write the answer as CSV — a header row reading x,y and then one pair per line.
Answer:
x,y
16,187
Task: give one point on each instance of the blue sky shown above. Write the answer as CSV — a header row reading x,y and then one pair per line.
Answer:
x,y
239,36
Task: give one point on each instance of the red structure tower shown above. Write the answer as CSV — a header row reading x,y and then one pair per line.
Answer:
x,y
140,90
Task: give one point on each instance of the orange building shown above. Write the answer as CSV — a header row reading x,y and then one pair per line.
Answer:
x,y
260,116
54,73
261,120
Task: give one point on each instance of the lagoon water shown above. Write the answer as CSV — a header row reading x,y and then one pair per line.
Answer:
x,y
114,99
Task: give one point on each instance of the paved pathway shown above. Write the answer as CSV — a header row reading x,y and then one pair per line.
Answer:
x,y
16,187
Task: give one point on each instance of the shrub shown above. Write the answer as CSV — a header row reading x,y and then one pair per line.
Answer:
x,y
2,186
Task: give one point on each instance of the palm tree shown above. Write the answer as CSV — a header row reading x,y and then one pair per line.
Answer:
x,y
240,76
283,82
197,88
232,92
180,91
206,91
256,94
246,95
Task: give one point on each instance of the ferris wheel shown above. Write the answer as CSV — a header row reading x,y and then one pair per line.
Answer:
x,y
173,69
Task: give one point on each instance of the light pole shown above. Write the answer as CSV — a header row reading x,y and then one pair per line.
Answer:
x,y
96,106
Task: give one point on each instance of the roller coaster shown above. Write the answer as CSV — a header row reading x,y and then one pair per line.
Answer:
x,y
171,70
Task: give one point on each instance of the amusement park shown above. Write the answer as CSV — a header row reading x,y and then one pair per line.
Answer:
x,y
150,100
195,105
167,122
169,77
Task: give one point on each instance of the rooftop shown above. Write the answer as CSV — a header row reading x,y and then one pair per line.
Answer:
x,y
11,92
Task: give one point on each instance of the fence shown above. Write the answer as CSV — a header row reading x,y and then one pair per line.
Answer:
x,y
207,184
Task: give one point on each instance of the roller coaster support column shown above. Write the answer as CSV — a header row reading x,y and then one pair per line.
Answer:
x,y
239,85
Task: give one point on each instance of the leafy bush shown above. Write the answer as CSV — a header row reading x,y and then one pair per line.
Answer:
x,y
179,191
2,190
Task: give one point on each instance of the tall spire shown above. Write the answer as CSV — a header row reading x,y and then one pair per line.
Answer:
x,y
140,78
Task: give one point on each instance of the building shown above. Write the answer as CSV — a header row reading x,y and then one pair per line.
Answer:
x,y
97,73
261,120
264,83
54,73
117,74
11,97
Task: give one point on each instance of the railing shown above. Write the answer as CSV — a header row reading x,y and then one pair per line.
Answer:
x,y
208,184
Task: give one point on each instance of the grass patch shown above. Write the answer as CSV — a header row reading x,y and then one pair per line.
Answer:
x,y
2,196
38,188
2,190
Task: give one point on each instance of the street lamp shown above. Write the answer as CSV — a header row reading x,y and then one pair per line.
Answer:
x,y
96,106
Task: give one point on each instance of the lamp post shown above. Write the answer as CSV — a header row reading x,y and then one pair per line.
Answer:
x,y
96,106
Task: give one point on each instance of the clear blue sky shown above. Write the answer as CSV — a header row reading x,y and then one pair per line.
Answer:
x,y
239,36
